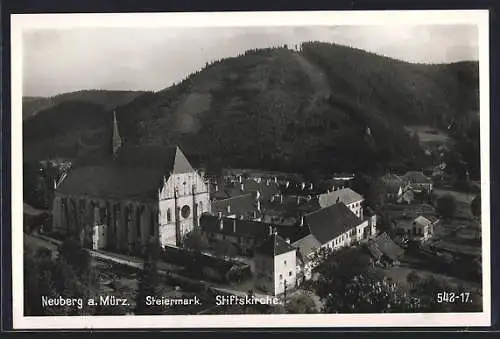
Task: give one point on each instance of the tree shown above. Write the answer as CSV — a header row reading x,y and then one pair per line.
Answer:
x,y
195,241
365,293
301,304
475,206
225,248
446,206
149,280
349,284
412,278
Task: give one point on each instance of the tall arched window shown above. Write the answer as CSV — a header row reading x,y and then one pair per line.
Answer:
x,y
169,215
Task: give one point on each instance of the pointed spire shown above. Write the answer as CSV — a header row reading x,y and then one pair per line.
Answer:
x,y
117,140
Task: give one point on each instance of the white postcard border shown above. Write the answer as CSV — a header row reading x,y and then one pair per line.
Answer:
x,y
20,22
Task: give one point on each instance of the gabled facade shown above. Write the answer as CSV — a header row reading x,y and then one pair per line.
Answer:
x,y
276,266
417,229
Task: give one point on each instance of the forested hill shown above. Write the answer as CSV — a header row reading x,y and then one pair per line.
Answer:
x,y
325,106
108,99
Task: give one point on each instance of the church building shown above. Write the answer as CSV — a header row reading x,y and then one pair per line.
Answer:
x,y
120,201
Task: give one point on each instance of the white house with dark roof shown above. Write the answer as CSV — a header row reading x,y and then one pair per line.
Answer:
x,y
131,195
418,181
346,196
418,229
332,228
276,265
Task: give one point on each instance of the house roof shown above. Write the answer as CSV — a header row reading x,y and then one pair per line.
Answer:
x,y
306,246
233,226
330,222
383,243
246,228
239,205
375,251
416,177
345,195
274,246
266,188
422,221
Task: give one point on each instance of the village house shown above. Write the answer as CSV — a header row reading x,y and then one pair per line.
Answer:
x,y
245,235
417,229
331,228
347,196
276,266
121,200
244,206
418,181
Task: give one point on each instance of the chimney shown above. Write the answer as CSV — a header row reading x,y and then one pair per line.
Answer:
x,y
281,199
258,205
338,200
298,200
234,225
303,185
301,223
287,240
272,199
287,184
221,224
219,215
242,187
275,180
228,208
333,188
311,186
268,182
240,179
216,188
271,230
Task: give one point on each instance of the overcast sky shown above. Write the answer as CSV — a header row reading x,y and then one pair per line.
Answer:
x,y
58,61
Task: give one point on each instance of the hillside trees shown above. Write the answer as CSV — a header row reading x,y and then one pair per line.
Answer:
x,y
446,206
475,206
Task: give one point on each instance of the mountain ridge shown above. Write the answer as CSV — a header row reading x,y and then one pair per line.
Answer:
x,y
263,108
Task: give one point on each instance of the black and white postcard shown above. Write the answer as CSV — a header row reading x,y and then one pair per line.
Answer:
x,y
302,169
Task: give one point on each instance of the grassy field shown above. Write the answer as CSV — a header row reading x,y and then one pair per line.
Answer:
x,y
429,136
462,234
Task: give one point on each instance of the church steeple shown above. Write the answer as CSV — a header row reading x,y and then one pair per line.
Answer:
x,y
117,140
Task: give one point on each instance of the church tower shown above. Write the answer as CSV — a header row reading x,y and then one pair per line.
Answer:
x,y
117,140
